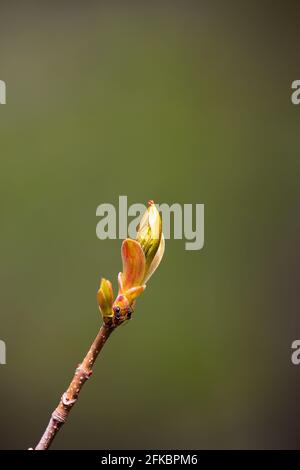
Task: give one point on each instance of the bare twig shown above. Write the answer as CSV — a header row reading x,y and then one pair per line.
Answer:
x,y
69,398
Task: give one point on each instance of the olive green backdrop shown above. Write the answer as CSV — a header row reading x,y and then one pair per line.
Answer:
x,y
184,102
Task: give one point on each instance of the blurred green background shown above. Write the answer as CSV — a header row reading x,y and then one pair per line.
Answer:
x,y
184,102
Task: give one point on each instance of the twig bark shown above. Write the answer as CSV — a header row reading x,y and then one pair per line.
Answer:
x,y
69,398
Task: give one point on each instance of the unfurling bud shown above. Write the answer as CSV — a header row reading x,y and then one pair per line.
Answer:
x,y
140,259
105,299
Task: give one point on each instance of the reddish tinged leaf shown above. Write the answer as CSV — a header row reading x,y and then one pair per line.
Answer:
x,y
133,264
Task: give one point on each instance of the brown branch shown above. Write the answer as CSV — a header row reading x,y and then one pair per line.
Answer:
x,y
69,398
